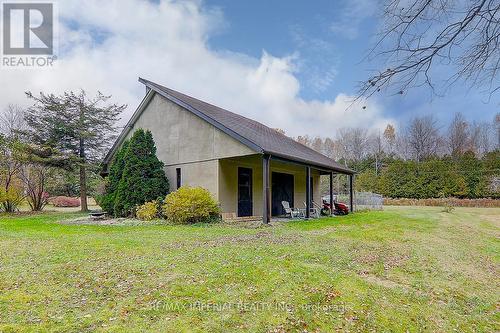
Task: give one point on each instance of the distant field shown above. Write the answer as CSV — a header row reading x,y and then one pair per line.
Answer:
x,y
453,202
401,269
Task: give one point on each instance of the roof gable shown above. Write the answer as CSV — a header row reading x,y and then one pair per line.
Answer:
x,y
251,133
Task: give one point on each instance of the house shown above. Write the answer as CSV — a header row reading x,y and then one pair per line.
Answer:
x,y
249,167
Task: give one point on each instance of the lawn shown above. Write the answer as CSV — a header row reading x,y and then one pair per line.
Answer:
x,y
403,269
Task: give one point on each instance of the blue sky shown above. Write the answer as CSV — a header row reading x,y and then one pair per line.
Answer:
x,y
331,39
297,28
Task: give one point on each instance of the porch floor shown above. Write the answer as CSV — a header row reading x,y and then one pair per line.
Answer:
x,y
233,219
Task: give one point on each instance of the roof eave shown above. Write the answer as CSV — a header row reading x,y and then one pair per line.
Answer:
x,y
320,166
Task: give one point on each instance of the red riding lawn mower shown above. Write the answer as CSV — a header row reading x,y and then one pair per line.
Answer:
x,y
340,208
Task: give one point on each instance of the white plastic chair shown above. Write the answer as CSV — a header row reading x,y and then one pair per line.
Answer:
x,y
313,211
290,211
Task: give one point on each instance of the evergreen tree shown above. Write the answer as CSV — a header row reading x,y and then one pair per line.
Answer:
x,y
470,169
143,178
107,201
491,167
399,180
73,127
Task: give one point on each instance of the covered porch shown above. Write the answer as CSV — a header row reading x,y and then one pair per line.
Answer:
x,y
253,187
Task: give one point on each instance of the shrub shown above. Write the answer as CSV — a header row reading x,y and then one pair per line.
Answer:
x,y
148,211
62,201
11,198
143,178
190,205
448,209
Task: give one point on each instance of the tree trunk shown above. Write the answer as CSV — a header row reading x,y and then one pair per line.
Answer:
x,y
83,175
83,180
83,188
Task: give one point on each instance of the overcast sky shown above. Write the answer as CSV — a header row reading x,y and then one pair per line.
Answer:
x,y
288,64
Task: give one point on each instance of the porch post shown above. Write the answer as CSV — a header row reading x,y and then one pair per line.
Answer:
x,y
308,192
266,193
332,206
351,193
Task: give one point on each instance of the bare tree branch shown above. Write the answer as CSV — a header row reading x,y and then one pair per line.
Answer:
x,y
420,36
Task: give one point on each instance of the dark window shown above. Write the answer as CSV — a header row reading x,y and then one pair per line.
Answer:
x,y
281,190
178,174
245,201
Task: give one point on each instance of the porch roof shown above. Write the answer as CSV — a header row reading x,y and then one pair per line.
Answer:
x,y
249,132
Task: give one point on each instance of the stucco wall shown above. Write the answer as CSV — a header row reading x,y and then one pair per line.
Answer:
x,y
186,141
209,157
228,182
204,174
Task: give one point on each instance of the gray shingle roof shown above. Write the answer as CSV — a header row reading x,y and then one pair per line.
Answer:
x,y
250,132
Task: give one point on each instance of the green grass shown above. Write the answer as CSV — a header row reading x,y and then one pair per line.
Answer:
x,y
403,269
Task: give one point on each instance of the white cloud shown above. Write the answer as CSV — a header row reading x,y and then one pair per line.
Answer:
x,y
167,43
317,60
347,22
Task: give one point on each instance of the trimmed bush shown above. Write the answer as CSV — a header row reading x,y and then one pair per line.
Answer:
x,y
62,201
147,212
143,178
190,205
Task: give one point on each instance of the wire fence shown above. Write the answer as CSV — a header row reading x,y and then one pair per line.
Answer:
x,y
364,200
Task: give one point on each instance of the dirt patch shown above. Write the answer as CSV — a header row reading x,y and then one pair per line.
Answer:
x,y
131,221
252,224
390,258
110,221
383,282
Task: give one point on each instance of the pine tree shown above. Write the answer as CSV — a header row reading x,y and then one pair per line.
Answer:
x,y
74,128
143,178
107,201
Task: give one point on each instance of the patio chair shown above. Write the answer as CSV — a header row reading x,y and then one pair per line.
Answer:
x,y
318,207
313,211
290,211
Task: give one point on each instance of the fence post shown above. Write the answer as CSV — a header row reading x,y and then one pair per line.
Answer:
x,y
308,192
351,193
332,206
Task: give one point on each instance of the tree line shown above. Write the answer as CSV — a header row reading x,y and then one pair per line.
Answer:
x,y
420,159
55,147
